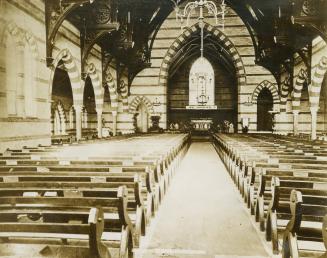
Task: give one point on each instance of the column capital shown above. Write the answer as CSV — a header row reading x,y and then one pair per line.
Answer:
x,y
114,113
295,112
99,110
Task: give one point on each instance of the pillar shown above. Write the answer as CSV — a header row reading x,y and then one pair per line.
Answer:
x,y
295,122
78,111
314,111
114,123
63,126
99,120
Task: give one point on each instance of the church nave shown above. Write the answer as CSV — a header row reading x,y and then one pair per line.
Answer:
x,y
202,214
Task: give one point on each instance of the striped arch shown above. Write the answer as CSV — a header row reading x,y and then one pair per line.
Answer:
x,y
112,90
285,87
137,101
73,73
221,37
97,88
124,93
297,90
268,85
317,78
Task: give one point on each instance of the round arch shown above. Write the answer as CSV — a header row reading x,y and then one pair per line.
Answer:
x,y
96,83
316,82
112,90
73,73
268,85
137,101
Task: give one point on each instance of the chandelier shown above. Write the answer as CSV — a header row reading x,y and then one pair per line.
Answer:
x,y
217,12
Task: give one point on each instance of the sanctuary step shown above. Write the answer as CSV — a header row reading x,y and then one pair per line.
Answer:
x,y
200,136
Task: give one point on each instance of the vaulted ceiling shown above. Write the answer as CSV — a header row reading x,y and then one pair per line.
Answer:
x,y
126,29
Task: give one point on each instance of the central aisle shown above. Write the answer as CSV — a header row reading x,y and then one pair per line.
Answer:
x,y
202,215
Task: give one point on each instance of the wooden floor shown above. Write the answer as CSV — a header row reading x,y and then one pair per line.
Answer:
x,y
202,215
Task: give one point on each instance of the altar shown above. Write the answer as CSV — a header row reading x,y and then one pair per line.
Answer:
x,y
201,124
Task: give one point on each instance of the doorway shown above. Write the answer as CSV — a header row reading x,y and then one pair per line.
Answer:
x,y
142,118
264,105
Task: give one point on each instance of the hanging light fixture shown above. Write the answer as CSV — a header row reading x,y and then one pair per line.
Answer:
x,y
212,8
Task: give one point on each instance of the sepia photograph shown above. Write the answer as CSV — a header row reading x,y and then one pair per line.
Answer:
x,y
163,128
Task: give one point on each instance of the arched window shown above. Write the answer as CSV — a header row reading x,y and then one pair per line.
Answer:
x,y
201,83
11,82
29,82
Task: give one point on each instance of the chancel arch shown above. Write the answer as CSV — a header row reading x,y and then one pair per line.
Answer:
x,y
228,76
225,42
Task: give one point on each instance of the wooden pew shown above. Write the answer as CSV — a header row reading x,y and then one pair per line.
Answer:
x,y
151,180
303,236
261,199
89,186
118,233
87,230
251,168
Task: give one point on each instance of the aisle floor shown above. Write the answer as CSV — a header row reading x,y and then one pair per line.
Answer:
x,y
202,214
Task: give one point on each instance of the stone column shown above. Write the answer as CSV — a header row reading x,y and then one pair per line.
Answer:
x,y
314,111
295,122
99,120
114,123
78,112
